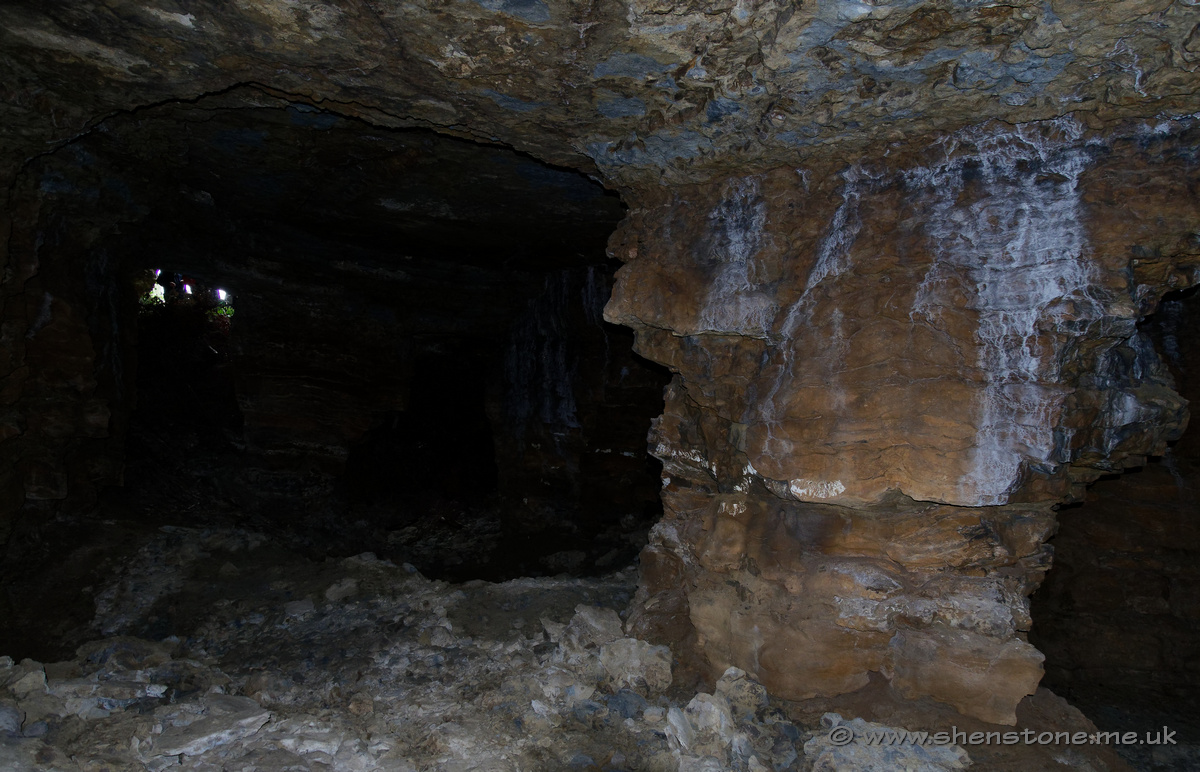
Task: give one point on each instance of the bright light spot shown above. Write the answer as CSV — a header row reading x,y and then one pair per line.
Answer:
x,y
157,272
187,289
221,294
159,292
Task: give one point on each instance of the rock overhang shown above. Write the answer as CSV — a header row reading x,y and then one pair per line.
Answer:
x,y
245,160
639,92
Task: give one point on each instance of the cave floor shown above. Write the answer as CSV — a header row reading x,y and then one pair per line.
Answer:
x,y
215,648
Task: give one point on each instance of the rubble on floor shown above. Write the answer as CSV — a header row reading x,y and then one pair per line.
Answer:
x,y
281,664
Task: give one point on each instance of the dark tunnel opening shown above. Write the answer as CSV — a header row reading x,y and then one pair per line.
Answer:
x,y
413,362
443,439
186,425
1118,615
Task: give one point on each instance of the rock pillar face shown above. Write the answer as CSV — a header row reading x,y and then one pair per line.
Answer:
x,y
886,376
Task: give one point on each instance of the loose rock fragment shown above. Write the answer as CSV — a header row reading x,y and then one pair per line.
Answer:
x,y
831,752
637,665
225,719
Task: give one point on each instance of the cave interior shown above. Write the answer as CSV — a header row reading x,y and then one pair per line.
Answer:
x,y
414,389
358,339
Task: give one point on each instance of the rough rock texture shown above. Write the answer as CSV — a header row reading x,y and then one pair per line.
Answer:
x,y
391,672
894,251
1118,615
637,89
830,756
958,328
359,664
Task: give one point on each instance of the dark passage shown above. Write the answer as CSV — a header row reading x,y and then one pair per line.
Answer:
x,y
186,427
1118,615
443,442
412,362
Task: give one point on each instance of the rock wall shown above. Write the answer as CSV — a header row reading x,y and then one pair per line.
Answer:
x,y
66,391
571,411
314,369
887,373
1117,616
885,378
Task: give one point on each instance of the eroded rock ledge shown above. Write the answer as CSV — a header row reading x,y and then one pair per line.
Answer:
x,y
638,90
885,378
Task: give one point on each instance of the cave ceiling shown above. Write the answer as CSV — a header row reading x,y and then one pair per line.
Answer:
x,y
635,91
246,163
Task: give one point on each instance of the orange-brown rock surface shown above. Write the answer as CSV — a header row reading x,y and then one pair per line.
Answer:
x,y
885,377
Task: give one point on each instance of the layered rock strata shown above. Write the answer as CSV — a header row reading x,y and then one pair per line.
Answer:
x,y
637,89
885,378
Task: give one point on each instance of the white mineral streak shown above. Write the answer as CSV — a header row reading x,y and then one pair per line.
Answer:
x,y
748,474
731,508
815,489
680,458
105,56
183,20
833,259
735,304
833,256
1020,250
